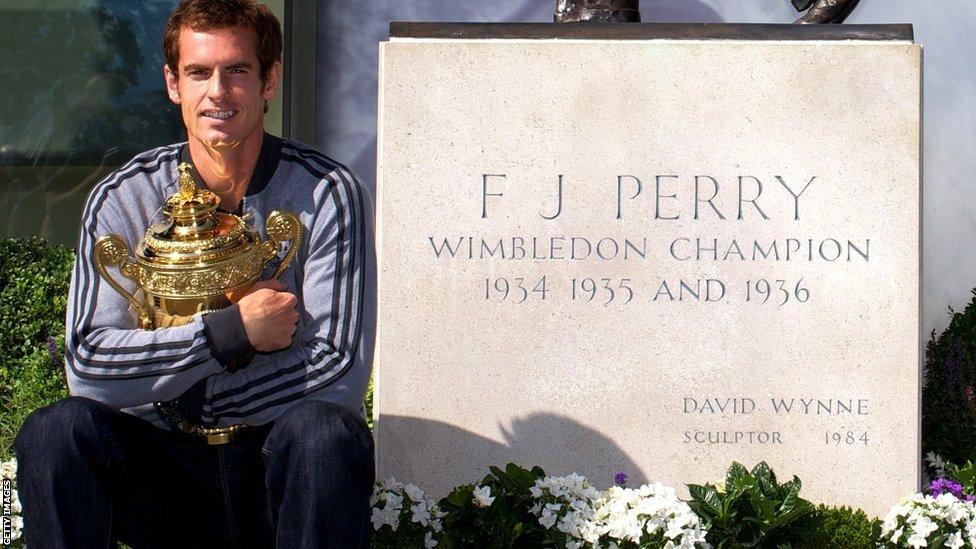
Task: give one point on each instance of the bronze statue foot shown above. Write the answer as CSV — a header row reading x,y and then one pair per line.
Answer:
x,y
824,11
600,11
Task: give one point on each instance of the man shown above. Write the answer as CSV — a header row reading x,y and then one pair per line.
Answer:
x,y
289,361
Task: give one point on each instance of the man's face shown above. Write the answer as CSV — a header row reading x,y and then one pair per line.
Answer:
x,y
219,87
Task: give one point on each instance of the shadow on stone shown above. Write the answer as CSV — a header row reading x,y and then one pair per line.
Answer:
x,y
438,456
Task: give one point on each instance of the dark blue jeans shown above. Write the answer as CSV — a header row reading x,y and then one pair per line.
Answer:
x,y
90,476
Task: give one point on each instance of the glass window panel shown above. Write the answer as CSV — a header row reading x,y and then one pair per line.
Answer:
x,y
81,92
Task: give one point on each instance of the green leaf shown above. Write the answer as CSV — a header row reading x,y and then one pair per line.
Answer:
x,y
966,475
750,534
708,498
496,472
523,478
763,508
736,471
794,485
460,496
789,502
742,484
763,473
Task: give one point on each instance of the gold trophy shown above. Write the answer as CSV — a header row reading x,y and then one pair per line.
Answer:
x,y
196,259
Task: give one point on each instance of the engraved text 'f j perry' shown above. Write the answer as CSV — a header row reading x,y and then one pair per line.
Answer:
x,y
196,259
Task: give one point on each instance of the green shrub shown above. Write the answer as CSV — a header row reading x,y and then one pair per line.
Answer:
x,y
34,279
38,382
840,527
949,395
750,510
507,522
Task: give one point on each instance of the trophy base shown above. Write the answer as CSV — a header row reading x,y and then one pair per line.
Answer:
x,y
178,312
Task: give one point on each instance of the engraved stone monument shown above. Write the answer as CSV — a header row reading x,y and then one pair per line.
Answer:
x,y
651,248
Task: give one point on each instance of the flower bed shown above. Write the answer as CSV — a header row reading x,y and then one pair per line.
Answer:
x,y
525,508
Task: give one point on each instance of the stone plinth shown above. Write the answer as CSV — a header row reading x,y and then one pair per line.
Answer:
x,y
653,256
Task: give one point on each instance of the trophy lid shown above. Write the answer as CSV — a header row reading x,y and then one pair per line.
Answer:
x,y
193,230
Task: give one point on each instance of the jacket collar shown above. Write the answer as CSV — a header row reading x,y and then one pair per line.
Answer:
x,y
264,170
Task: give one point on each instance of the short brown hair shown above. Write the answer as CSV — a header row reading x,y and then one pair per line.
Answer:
x,y
204,15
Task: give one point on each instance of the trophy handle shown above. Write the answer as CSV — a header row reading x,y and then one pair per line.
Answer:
x,y
112,250
282,226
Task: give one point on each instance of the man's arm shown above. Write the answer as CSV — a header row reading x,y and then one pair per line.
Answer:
x,y
334,266
108,359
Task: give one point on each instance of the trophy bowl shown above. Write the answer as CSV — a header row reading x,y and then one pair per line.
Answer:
x,y
196,259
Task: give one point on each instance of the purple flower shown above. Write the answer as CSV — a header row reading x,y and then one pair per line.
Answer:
x,y
52,350
943,485
620,479
970,498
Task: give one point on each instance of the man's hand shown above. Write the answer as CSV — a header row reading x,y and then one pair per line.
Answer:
x,y
269,315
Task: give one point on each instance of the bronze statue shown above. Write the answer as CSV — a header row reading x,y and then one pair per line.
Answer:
x,y
574,11
824,11
604,11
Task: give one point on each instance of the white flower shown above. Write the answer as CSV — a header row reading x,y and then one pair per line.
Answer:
x,y
390,485
918,517
924,526
421,514
481,496
8,469
588,517
916,540
548,518
17,525
15,502
385,517
394,501
415,494
890,521
625,514
437,514
406,510
571,524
